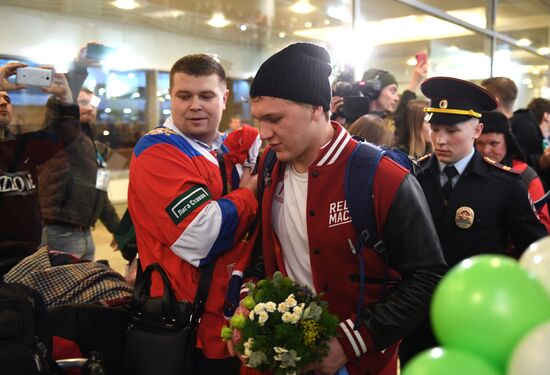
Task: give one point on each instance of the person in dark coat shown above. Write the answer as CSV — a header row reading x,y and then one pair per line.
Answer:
x,y
498,143
478,205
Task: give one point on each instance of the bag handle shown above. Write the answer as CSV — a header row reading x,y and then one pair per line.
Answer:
x,y
142,288
168,299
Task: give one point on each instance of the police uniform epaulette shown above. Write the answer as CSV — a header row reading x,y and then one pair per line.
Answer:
x,y
423,158
503,167
161,130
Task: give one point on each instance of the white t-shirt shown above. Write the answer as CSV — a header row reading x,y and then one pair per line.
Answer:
x,y
290,224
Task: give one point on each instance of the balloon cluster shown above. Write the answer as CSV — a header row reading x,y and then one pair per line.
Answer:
x,y
492,316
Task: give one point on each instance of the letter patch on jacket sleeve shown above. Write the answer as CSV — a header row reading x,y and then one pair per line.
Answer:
x,y
185,203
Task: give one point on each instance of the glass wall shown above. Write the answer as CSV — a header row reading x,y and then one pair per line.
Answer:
x,y
397,36
526,21
468,39
121,111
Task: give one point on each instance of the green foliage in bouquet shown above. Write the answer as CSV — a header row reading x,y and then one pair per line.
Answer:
x,y
287,327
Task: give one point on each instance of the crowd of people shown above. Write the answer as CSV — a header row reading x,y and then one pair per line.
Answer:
x,y
197,196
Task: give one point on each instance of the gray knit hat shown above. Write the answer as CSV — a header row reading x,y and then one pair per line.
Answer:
x,y
299,72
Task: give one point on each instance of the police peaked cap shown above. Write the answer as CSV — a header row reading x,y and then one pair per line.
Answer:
x,y
453,100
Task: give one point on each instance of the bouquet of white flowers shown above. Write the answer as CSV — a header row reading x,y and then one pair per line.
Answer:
x,y
287,326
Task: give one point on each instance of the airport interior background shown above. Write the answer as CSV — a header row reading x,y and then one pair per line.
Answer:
x,y
468,39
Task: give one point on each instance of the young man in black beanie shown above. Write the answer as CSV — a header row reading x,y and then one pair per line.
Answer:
x,y
307,228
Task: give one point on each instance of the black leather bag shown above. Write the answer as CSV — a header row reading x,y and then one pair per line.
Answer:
x,y
162,331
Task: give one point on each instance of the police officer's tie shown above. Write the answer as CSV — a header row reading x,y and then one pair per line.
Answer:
x,y
450,171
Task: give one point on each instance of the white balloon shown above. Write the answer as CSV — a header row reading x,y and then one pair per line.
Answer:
x,y
531,357
536,259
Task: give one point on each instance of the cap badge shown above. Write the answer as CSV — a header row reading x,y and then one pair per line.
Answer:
x,y
464,217
443,104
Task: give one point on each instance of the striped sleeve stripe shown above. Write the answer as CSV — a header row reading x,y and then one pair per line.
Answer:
x,y
332,147
199,236
350,339
339,151
210,233
226,235
354,337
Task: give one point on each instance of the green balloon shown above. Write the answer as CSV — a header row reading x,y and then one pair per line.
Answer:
x,y
484,306
442,361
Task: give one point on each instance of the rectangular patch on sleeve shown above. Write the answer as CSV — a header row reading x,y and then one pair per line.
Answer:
x,y
186,203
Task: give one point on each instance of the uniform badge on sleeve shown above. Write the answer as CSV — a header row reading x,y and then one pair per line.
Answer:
x,y
464,217
187,202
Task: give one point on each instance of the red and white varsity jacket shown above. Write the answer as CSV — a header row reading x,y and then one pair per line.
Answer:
x,y
399,207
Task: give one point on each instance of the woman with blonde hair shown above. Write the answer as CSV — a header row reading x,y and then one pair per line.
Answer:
x,y
414,135
372,129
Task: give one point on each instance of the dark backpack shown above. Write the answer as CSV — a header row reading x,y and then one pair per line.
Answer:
x,y
25,340
358,186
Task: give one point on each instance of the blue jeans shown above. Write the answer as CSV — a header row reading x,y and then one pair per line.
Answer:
x,y
70,240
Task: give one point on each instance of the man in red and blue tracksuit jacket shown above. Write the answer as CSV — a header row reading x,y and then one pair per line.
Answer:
x,y
397,292
181,219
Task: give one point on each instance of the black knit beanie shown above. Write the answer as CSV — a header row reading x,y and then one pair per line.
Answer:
x,y
299,72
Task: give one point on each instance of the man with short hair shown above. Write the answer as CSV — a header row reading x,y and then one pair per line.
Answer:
x,y
478,206
181,219
505,92
87,102
306,227
234,124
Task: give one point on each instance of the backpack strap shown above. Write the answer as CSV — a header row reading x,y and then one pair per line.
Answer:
x,y
223,172
359,178
527,176
358,185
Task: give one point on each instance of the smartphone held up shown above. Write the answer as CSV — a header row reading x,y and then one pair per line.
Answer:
x,y
421,58
98,51
40,77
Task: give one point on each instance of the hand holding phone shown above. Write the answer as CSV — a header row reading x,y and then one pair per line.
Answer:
x,y
6,72
60,88
33,77
419,72
421,58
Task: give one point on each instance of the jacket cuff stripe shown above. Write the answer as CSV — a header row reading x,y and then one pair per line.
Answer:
x,y
350,339
357,336
237,273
